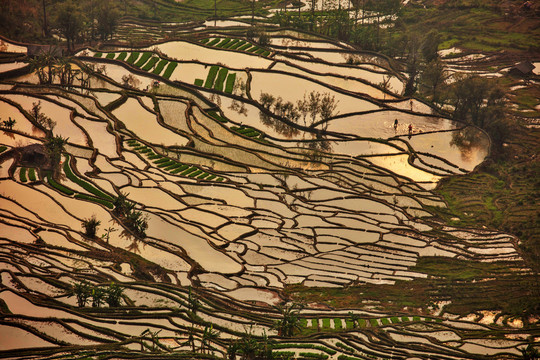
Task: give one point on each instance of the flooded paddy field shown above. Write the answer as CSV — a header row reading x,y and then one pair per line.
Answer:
x,y
215,183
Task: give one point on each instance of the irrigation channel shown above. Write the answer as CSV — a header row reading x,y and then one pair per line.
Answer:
x,y
244,191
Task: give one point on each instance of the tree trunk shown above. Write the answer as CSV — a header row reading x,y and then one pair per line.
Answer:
x,y
45,25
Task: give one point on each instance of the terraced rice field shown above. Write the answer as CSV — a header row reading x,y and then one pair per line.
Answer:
x,y
241,199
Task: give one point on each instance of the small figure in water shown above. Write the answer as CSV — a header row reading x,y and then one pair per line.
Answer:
x,y
395,124
411,104
410,131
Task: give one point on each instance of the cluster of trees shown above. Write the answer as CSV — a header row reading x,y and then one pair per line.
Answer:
x,y
99,295
74,20
334,21
319,107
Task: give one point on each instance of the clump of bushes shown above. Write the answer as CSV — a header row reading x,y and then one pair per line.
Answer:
x,y
84,291
133,219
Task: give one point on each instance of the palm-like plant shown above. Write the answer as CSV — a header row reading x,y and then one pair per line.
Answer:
x,y
290,320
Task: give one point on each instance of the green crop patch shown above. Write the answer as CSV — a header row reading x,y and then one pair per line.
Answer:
x,y
214,42
85,185
211,77
22,175
199,82
229,86
122,56
150,64
132,57
223,42
110,56
231,44
143,59
168,72
160,66
103,202
98,54
32,174
237,45
222,75
179,169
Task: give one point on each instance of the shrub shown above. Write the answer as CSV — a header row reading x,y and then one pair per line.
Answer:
x,y
82,291
113,295
90,226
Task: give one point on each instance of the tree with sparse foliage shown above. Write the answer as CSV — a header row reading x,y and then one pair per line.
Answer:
x,y
70,22
289,323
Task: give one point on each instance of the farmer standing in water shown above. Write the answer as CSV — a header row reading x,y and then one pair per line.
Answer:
x,y
395,124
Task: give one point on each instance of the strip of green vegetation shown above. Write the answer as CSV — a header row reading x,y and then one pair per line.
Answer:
x,y
394,319
98,54
349,324
32,174
306,355
166,164
344,347
222,75
195,173
143,59
373,322
385,321
204,41
150,64
199,82
326,323
305,346
122,56
219,179
345,357
180,169
160,66
253,49
338,325
260,51
189,171
58,186
214,42
95,200
223,42
168,72
245,47
85,185
237,45
362,323
211,177
161,161
22,175
216,116
211,76
266,53
230,83
231,44
110,56
283,355
132,57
